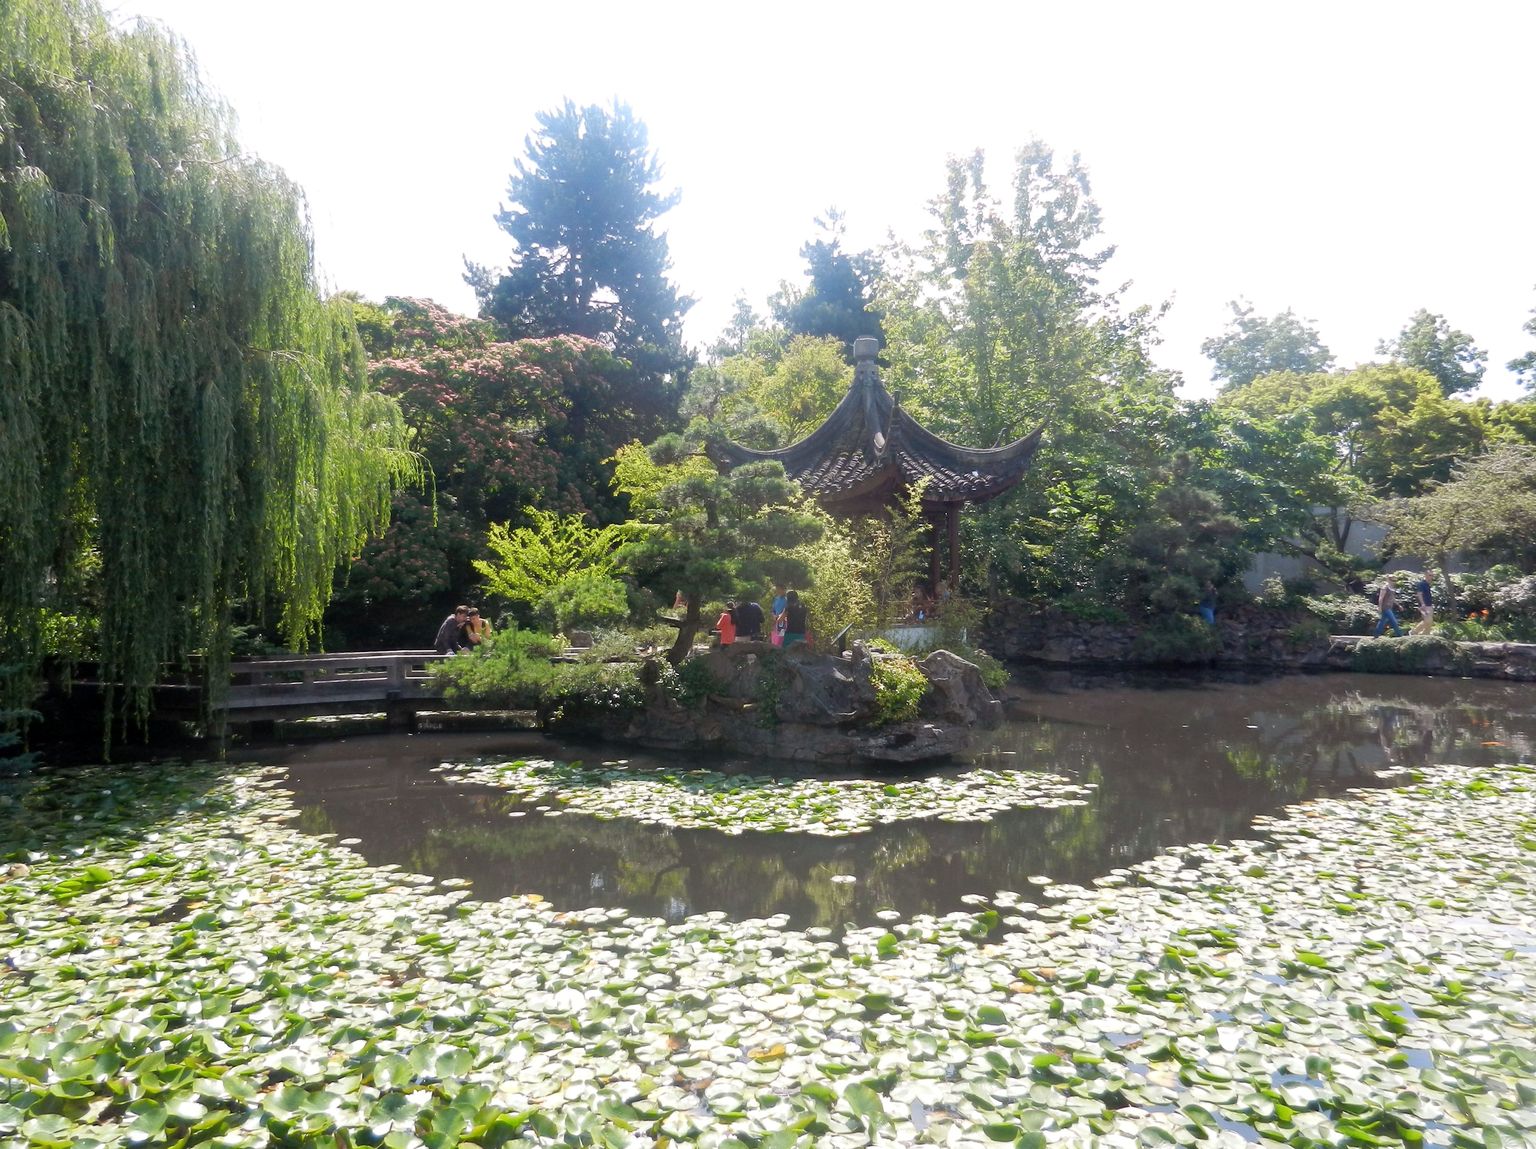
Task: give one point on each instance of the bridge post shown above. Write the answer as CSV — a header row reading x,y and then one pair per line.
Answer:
x,y
399,713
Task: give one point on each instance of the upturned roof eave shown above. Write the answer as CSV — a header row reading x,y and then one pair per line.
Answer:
x,y
842,420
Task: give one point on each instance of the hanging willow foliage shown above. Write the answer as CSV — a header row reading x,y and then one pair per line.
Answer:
x,y
184,421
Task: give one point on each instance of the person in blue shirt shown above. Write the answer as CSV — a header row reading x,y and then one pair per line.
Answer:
x,y
1424,592
1207,606
780,601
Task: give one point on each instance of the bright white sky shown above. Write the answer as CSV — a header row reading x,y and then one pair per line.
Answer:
x,y
1354,161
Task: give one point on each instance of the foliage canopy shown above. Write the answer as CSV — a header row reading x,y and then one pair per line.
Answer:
x,y
184,421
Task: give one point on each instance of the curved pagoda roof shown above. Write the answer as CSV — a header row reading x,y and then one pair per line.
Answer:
x,y
869,448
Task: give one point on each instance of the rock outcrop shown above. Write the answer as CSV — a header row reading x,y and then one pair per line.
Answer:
x,y
814,707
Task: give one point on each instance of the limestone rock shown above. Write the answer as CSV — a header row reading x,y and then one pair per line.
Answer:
x,y
812,707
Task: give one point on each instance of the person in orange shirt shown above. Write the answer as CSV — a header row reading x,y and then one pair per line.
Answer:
x,y
726,624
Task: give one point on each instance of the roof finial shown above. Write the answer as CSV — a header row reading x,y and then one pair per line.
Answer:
x,y
865,370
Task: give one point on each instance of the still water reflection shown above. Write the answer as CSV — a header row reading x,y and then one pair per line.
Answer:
x,y
1175,761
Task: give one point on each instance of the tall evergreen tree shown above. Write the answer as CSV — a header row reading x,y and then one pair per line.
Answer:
x,y
582,211
183,420
838,301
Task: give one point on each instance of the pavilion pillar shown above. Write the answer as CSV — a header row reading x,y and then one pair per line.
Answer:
x,y
953,526
935,554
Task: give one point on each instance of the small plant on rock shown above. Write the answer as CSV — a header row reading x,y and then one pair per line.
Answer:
x,y
899,689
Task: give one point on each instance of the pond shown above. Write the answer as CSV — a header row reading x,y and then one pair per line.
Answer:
x,y
1148,764
1191,913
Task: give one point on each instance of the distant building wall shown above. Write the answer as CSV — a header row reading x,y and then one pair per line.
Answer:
x,y
1365,541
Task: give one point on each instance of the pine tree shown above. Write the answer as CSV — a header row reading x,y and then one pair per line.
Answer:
x,y
582,210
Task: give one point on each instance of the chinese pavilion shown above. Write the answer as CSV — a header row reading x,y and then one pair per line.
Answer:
x,y
869,450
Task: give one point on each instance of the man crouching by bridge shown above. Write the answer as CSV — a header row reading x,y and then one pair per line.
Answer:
x,y
450,636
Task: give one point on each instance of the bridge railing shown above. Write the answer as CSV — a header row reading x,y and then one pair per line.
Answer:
x,y
376,675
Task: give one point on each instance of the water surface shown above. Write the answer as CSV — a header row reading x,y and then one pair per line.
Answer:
x,y
1173,760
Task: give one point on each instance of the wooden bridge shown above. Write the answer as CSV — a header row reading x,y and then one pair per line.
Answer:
x,y
263,690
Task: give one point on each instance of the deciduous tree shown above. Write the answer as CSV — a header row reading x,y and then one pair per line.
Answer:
x,y
709,534
1254,345
502,426
184,422
997,324
1487,506
1430,344
1524,366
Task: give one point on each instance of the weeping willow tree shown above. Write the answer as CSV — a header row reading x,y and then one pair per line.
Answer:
x,y
184,422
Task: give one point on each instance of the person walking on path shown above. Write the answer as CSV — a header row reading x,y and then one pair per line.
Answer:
x,y
1386,602
1424,591
795,619
1207,605
450,636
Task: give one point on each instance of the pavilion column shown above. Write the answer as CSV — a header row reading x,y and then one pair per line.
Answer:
x,y
935,554
953,513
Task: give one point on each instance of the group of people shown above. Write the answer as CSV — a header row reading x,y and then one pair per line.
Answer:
x,y
1386,604
464,629
744,621
925,606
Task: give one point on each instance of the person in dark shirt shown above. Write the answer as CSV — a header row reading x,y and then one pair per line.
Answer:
x,y
450,636
749,621
796,619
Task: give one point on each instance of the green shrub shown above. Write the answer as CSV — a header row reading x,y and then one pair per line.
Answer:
x,y
610,646
1176,639
510,671
692,683
1474,630
584,600
899,689
1086,609
1307,632
993,672
581,697
1274,594
1343,613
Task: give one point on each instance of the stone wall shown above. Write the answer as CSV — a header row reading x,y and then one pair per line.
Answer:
x,y
1248,636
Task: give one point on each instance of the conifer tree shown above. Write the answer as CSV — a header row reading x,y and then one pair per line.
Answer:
x,y
582,209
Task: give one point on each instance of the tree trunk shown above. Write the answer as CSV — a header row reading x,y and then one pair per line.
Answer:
x,y
685,632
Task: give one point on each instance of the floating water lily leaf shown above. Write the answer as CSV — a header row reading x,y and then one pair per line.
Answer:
x,y
234,981
707,799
